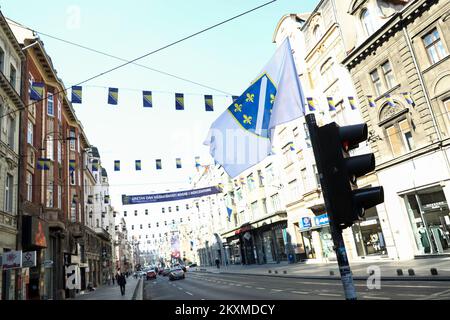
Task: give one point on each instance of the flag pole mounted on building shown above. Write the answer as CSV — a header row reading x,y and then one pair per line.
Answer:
x,y
338,175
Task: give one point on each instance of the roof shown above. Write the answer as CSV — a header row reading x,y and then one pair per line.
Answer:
x,y
299,17
11,37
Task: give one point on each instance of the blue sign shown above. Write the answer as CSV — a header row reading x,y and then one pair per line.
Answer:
x,y
322,220
305,223
172,196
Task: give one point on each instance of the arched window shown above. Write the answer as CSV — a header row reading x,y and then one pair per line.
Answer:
x,y
367,21
317,32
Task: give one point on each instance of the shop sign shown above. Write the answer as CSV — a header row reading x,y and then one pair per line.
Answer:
x,y
35,232
433,206
322,220
73,277
12,260
305,223
48,263
243,229
29,259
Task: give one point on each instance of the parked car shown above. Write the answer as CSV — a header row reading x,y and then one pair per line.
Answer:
x,y
160,271
151,274
166,272
176,274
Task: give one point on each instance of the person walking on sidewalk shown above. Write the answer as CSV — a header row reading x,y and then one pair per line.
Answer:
x,y
122,281
218,263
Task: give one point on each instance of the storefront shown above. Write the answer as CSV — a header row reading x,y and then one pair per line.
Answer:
x,y
430,220
316,237
368,235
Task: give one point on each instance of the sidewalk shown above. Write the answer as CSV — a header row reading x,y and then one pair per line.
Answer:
x,y
111,292
387,269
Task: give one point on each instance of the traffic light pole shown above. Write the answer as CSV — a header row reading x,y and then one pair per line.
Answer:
x,y
323,163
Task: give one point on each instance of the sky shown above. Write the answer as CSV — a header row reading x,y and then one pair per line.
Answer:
x,y
228,58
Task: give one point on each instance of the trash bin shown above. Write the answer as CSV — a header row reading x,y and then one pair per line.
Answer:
x,y
291,258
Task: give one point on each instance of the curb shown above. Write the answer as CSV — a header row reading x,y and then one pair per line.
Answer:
x,y
138,291
359,278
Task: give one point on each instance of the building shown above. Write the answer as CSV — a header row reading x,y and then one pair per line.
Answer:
x,y
11,105
398,47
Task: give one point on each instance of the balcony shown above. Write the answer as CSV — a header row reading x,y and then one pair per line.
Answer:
x,y
55,218
76,229
102,233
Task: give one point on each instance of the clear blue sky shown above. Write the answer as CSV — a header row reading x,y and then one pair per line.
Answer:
x,y
227,58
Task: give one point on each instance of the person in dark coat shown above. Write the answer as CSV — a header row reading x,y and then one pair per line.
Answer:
x,y
121,281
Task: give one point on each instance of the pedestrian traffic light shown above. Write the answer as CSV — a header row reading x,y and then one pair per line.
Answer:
x,y
339,171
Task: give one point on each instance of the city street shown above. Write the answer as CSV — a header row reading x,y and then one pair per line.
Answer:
x,y
207,286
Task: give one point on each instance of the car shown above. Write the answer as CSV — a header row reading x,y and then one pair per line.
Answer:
x,y
176,274
151,274
192,265
160,271
166,272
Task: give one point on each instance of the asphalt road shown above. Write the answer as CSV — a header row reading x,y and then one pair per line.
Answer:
x,y
208,286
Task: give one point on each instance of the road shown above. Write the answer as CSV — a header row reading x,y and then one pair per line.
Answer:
x,y
209,286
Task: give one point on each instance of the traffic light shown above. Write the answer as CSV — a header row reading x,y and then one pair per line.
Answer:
x,y
339,172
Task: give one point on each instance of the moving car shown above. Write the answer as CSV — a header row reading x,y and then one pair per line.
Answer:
x,y
151,274
176,274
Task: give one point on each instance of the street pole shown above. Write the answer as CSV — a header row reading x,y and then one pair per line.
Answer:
x,y
336,232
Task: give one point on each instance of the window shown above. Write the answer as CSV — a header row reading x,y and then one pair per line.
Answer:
x,y
376,82
407,135
434,46
170,209
307,138
72,137
276,206
12,133
59,110
400,137
59,152
29,181
254,208
251,182
264,206
72,178
9,193
13,76
142,227
30,132
59,197
149,226
294,190
2,61
146,213
269,174
327,71
304,176
49,202
177,208
388,74
316,175
367,21
187,206
163,210
317,32
50,106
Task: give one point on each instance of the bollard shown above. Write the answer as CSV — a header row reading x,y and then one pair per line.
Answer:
x,y
331,273
399,272
276,272
270,271
284,272
434,271
411,272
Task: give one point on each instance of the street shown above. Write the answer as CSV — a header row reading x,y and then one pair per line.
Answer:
x,y
208,286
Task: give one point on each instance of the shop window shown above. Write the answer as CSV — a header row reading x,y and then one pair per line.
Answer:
x,y
434,47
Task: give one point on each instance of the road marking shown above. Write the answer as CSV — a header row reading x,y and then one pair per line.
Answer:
x,y
330,294
411,295
238,285
376,298
189,293
249,287
180,288
260,288
300,292
277,290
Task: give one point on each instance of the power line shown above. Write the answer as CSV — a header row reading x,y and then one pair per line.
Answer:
x,y
118,58
147,54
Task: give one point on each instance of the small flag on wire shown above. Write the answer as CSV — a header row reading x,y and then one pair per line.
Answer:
x,y
331,104
113,96
72,165
236,183
179,101
43,164
408,98
221,185
209,105
117,165
389,100
311,105
291,146
138,165
37,91
197,162
352,102
242,181
158,164
77,94
178,161
230,212
147,97
372,103
235,98
95,166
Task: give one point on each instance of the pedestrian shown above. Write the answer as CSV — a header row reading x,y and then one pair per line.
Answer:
x,y
122,281
109,279
218,263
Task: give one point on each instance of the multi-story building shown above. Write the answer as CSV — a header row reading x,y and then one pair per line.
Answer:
x,y
122,247
398,47
11,106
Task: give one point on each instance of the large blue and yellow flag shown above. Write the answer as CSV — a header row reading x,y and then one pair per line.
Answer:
x,y
37,91
178,160
158,164
138,165
113,96
77,94
331,104
408,98
117,165
147,97
242,136
209,104
311,104
372,102
352,102
179,101
389,100
72,165
43,164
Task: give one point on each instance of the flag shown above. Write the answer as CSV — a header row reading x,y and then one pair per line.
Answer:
x,y
72,165
147,97
95,166
138,165
372,103
209,106
331,104
408,98
158,164
291,146
389,100
117,165
242,136
77,94
352,102
113,96
37,91
221,185
242,181
197,162
178,162
236,184
230,212
235,98
311,104
179,101
43,164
